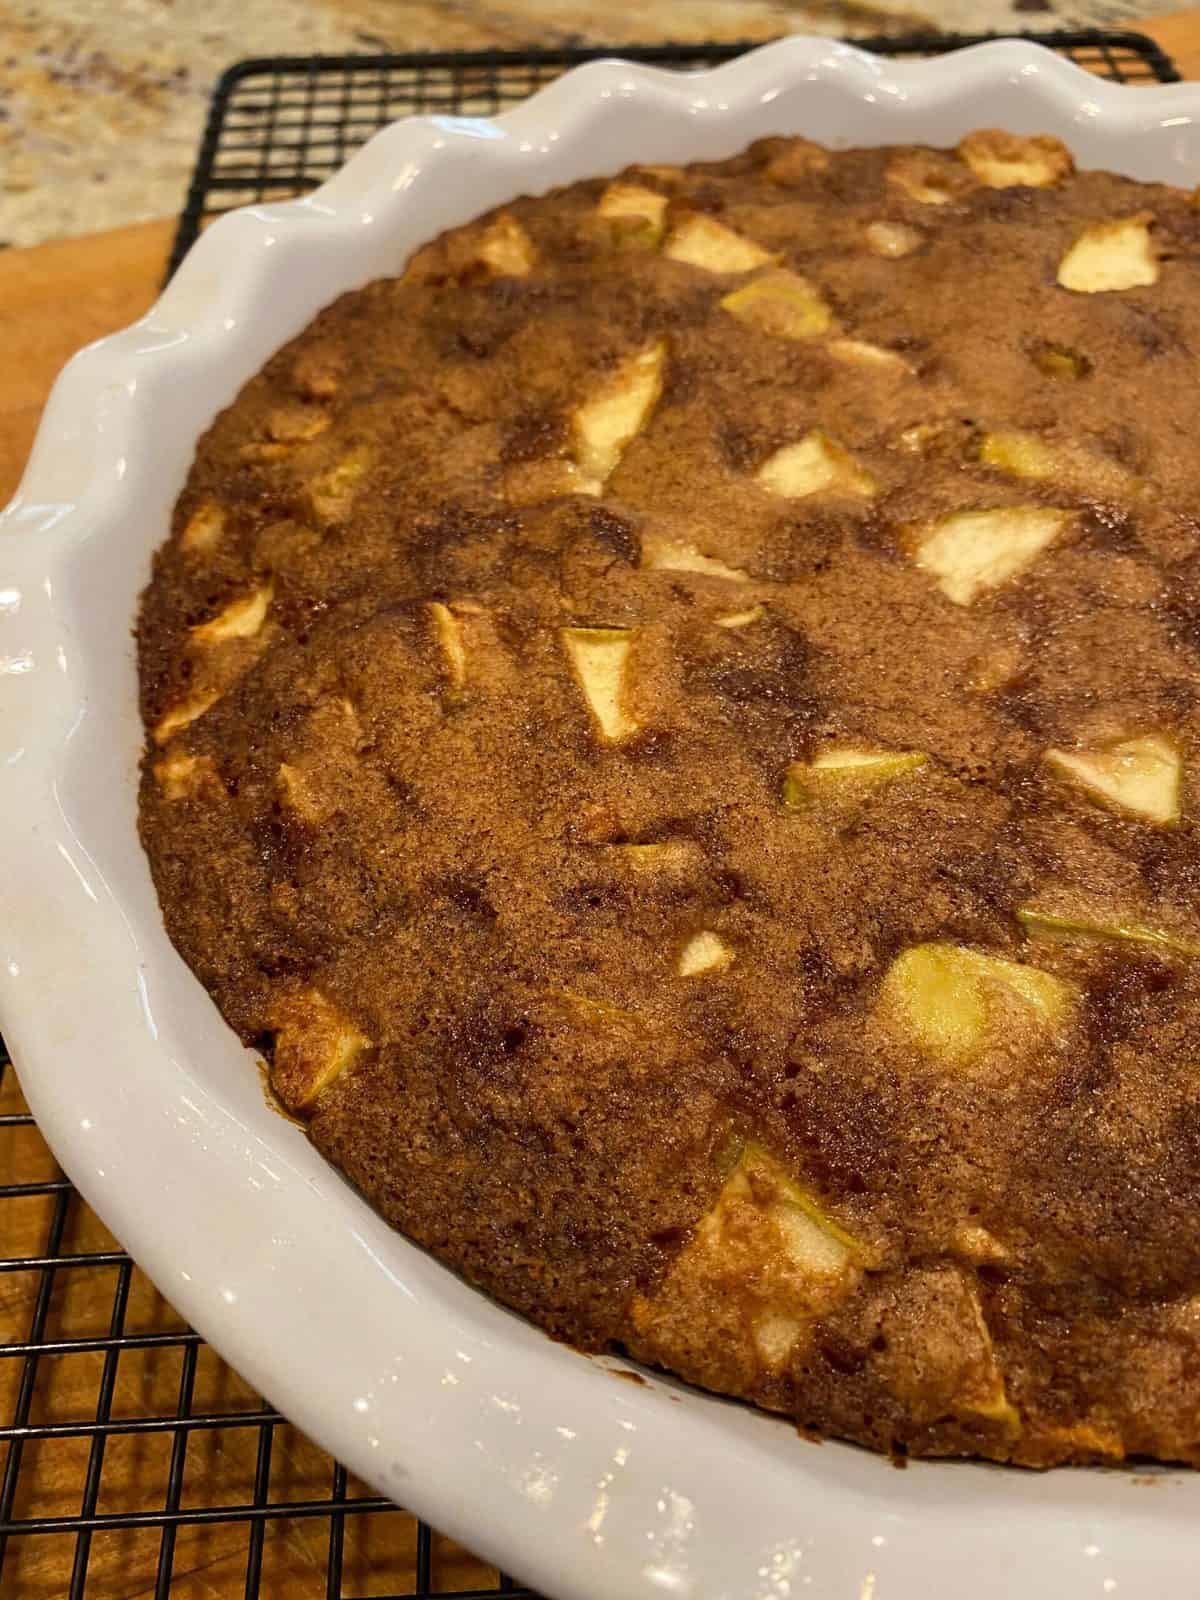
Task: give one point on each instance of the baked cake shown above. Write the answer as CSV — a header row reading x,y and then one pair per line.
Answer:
x,y
672,728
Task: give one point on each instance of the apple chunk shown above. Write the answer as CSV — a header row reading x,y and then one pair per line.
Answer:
x,y
184,777
952,1001
767,1260
1099,925
296,793
1008,160
1141,775
812,1240
797,160
314,1044
596,1013
951,439
297,424
954,1371
741,619
892,240
599,657
205,527
1059,361
241,619
704,952
782,303
185,713
506,249
1026,455
605,423
633,214
332,494
223,648
971,552
1099,1441
447,630
702,241
1109,256
1023,455
838,771
659,858
813,465
677,555
928,176
858,353
985,1395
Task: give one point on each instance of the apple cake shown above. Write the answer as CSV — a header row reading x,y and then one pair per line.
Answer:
x,y
672,727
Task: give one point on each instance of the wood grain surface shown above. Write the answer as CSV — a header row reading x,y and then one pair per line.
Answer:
x,y
53,299
1179,36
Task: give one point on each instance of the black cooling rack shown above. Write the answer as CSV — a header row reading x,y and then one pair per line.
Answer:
x,y
111,1406
281,125
115,1415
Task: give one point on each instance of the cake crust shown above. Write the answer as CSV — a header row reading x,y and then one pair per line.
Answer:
x,y
671,725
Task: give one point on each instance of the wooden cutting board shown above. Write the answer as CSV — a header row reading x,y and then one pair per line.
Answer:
x,y
1179,36
56,297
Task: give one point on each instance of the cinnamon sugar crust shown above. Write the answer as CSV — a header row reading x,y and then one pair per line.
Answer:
x,y
672,725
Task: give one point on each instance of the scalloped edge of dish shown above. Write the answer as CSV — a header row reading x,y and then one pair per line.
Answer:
x,y
585,1486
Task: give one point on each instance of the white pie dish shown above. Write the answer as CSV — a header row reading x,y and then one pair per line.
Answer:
x,y
584,1485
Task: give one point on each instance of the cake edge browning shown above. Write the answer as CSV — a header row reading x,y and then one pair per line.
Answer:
x,y
678,751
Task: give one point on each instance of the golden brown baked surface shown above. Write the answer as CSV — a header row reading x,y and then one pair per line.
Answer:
x,y
672,725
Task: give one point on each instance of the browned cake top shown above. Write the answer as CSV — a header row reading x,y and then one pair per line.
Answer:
x,y
673,726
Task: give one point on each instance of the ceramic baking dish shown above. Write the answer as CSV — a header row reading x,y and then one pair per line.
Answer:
x,y
584,1484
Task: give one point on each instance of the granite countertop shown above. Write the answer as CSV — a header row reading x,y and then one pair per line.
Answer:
x,y
102,101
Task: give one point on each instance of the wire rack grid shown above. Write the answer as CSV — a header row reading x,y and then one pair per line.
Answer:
x,y
120,1423
279,126
136,1462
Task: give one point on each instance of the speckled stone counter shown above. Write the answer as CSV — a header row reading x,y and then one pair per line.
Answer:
x,y
102,101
